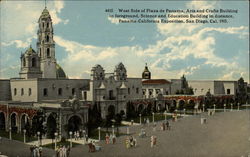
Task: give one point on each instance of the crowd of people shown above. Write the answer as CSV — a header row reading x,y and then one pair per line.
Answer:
x,y
110,138
63,151
35,151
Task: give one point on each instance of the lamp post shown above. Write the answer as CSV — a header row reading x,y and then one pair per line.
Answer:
x,y
165,114
140,118
70,136
84,136
153,117
99,133
55,139
113,130
24,136
225,107
203,109
38,138
10,137
231,106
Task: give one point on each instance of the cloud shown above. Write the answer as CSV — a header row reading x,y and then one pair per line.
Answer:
x,y
26,14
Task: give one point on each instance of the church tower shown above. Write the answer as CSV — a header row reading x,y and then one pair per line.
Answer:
x,y
30,65
146,73
46,45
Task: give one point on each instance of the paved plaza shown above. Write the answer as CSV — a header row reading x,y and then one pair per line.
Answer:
x,y
224,135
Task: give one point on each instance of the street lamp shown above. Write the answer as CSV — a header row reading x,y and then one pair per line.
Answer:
x,y
24,137
231,106
10,137
153,116
70,136
38,135
203,109
165,114
99,133
113,130
55,139
140,118
225,107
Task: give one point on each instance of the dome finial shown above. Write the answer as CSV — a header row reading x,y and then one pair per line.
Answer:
x,y
45,4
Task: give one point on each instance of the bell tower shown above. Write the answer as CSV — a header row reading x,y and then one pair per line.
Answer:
x,y
46,45
146,74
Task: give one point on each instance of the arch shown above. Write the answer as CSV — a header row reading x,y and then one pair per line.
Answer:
x,y
47,38
181,104
159,107
75,123
13,121
51,125
111,111
140,108
24,121
2,121
33,62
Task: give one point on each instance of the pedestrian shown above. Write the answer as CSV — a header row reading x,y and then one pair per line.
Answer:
x,y
64,151
60,152
31,151
168,125
152,141
75,135
40,151
68,150
87,138
114,139
107,138
110,138
57,151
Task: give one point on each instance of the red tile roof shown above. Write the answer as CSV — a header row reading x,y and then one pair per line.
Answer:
x,y
155,81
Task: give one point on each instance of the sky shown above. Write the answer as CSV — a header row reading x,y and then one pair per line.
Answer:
x,y
85,36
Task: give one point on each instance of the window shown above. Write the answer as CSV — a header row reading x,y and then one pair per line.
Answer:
x,y
47,25
47,38
128,90
30,91
228,91
48,52
150,92
15,91
143,92
43,24
60,91
137,90
22,91
33,62
45,92
85,95
73,91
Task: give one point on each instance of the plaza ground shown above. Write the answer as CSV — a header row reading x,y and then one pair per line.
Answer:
x,y
224,135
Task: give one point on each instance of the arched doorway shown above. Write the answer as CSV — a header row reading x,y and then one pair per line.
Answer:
x,y
74,123
159,107
111,111
24,122
181,104
2,121
13,122
51,125
140,109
